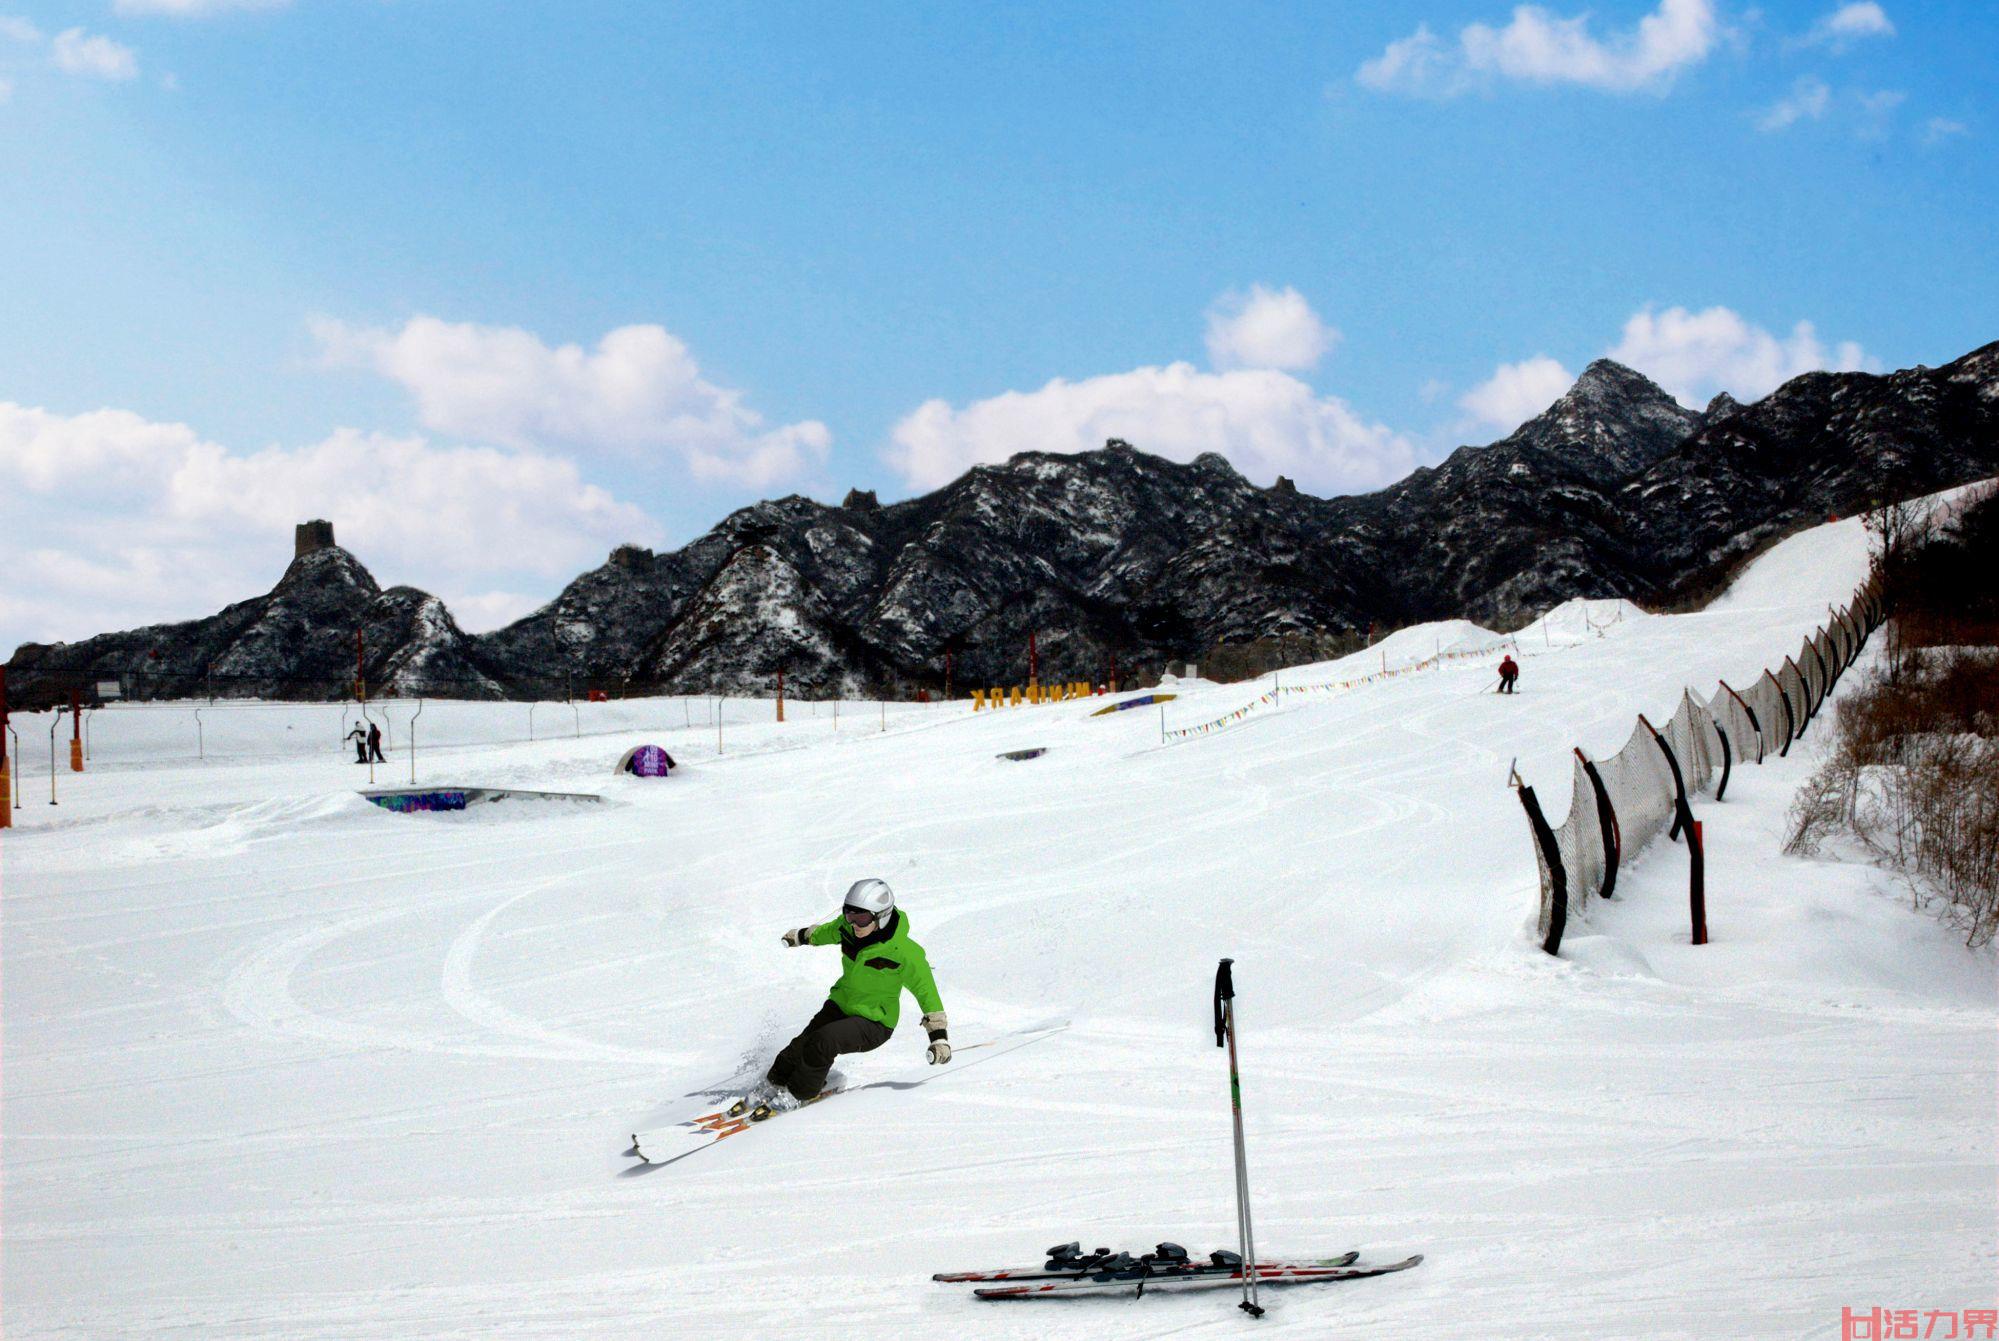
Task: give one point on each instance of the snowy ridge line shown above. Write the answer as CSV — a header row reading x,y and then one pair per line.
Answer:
x,y
1620,804
1339,686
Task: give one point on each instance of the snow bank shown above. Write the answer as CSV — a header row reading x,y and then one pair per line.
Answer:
x,y
1580,619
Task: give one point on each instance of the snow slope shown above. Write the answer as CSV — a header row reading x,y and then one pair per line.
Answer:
x,y
278,1063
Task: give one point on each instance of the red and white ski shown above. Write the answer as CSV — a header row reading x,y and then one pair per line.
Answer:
x,y
1142,1283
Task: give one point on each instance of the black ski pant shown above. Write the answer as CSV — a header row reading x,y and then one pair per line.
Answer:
x,y
375,752
1506,683
802,1066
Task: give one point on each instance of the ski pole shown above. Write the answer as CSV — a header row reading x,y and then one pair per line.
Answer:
x,y
1225,1035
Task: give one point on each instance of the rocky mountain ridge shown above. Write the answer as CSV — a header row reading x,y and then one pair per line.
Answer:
x,y
1116,555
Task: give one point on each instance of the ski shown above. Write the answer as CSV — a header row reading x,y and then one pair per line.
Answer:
x,y
1141,1282
1103,1261
693,1135
720,1125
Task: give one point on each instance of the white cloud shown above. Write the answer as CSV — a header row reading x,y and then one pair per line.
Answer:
x,y
1848,24
1515,393
1695,354
192,9
109,520
1537,46
1877,111
1940,128
639,394
79,53
1808,100
477,612
464,510
1266,328
16,29
6,89
1418,63
1266,422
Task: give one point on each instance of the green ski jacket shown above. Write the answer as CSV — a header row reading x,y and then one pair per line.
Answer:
x,y
877,967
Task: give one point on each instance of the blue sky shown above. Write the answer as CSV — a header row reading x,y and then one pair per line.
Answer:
x,y
496,287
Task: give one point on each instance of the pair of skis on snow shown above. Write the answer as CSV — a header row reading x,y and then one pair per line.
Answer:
x,y
700,1132
668,1145
1070,1272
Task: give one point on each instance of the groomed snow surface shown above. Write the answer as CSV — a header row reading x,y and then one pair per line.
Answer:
x,y
279,1063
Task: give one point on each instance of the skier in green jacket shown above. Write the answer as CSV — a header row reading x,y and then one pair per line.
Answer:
x,y
879,962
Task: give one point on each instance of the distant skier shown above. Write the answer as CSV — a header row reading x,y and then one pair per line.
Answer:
x,y
880,962
375,744
1509,671
360,738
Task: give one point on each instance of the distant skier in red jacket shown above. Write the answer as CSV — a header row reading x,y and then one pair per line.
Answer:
x,y
1509,671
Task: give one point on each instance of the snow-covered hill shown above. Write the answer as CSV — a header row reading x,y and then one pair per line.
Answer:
x,y
282,1064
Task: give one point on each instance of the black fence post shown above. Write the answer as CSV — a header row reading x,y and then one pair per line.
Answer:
x,y
1606,822
1726,762
1558,879
1684,822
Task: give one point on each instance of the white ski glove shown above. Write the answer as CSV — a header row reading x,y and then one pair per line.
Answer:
x,y
798,937
940,1046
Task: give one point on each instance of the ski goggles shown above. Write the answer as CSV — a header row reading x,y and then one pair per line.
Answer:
x,y
857,916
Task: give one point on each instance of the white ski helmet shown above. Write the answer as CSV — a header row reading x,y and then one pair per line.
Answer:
x,y
873,897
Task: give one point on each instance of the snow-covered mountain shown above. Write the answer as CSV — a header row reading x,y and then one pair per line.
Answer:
x,y
295,641
1614,490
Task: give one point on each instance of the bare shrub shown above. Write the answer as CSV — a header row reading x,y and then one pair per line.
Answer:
x,y
1913,771
1952,797
1823,807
